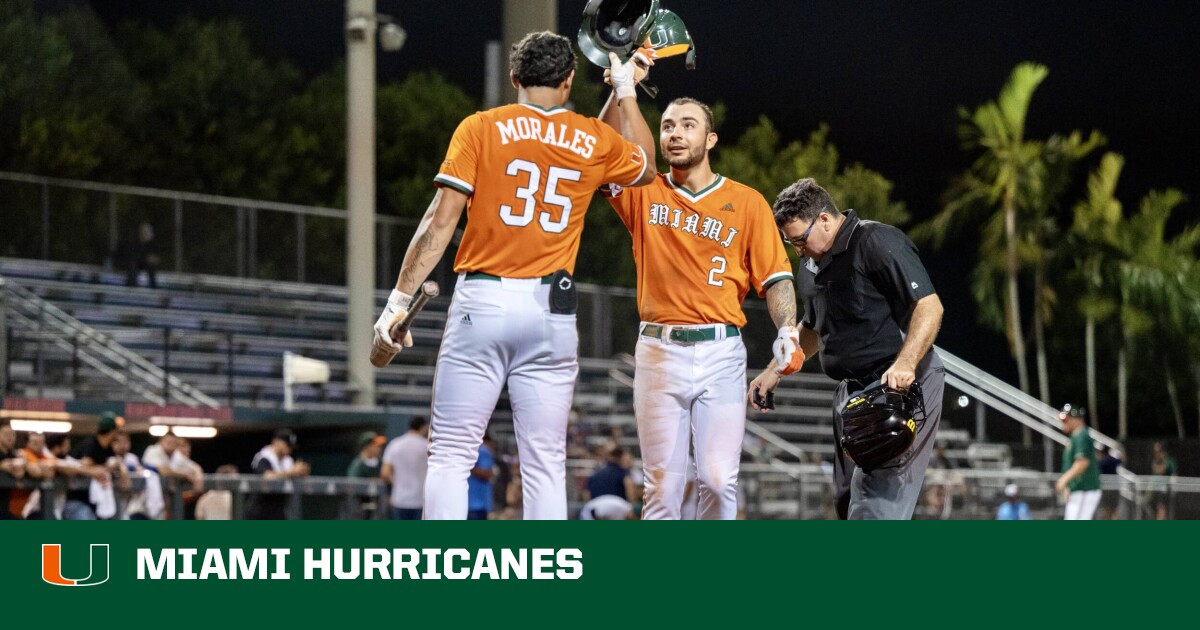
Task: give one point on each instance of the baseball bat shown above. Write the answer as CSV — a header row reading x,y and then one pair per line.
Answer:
x,y
380,358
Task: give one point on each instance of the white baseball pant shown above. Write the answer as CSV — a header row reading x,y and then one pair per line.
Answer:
x,y
497,331
1081,505
683,392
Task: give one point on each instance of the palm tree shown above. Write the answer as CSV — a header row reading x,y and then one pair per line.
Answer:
x,y
1158,292
1094,239
993,183
1049,177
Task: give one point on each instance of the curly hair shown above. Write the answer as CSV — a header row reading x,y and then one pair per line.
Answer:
x,y
542,59
803,200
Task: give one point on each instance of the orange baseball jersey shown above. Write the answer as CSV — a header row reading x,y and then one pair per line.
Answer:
x,y
698,253
531,173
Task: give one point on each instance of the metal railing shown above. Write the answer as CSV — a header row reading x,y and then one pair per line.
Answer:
x,y
243,237
356,498
46,323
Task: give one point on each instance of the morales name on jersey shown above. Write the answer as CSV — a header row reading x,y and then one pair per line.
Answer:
x,y
576,141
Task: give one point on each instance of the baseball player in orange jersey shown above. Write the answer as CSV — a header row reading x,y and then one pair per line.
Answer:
x,y
526,172
700,241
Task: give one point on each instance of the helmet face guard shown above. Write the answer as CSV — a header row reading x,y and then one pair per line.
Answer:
x,y
628,26
616,26
879,424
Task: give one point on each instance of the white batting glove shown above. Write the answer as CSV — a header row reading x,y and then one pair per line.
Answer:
x,y
393,312
622,76
641,68
789,358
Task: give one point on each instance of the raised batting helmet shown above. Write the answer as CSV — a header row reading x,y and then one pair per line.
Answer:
x,y
880,423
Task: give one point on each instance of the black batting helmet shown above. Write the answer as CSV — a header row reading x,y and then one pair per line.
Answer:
x,y
880,423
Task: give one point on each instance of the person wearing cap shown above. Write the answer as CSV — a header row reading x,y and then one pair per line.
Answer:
x,y
274,461
405,463
1079,484
1013,508
366,464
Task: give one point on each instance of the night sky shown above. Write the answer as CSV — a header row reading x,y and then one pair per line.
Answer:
x,y
887,77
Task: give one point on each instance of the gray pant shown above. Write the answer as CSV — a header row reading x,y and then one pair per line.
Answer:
x,y
888,493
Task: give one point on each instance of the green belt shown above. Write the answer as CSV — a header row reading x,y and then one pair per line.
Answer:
x,y
689,335
479,275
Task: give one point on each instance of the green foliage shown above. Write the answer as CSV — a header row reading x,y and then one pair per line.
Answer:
x,y
761,160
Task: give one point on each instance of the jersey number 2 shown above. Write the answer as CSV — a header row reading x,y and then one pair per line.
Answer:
x,y
719,269
550,196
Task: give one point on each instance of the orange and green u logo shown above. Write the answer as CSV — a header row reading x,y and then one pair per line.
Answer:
x,y
52,567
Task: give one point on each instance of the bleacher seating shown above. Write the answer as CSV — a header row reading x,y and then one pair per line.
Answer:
x,y
226,336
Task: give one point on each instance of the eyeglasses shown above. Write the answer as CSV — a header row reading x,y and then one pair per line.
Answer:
x,y
802,240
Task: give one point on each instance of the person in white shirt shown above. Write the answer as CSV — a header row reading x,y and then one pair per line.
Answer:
x,y
404,463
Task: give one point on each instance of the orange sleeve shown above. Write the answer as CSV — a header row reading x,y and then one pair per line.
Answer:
x,y
459,169
624,161
765,256
623,201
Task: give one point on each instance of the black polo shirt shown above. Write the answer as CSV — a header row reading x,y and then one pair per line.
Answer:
x,y
860,297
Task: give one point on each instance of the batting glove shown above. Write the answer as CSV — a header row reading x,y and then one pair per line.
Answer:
x,y
789,358
641,67
393,312
623,76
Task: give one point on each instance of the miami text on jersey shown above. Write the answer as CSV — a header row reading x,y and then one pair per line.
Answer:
x,y
695,224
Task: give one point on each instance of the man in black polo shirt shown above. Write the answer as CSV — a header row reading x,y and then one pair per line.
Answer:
x,y
862,285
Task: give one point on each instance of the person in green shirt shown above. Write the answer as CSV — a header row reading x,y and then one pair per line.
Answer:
x,y
1079,484
367,464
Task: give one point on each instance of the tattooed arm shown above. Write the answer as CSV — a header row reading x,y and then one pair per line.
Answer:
x,y
431,238
781,303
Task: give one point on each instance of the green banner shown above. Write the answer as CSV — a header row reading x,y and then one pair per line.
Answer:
x,y
601,573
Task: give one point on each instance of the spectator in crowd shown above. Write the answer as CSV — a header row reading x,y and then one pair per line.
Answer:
x,y
72,505
607,507
514,507
141,254
166,458
135,508
1110,461
612,478
12,468
939,459
479,484
1079,484
39,464
274,461
217,505
97,450
1162,465
404,463
366,464
1013,508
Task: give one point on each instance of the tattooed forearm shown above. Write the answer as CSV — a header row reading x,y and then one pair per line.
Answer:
x,y
423,256
781,303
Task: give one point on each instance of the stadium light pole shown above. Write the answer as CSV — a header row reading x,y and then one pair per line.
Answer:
x,y
360,197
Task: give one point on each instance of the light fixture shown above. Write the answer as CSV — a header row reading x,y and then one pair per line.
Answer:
x,y
963,401
40,426
179,420
201,433
159,430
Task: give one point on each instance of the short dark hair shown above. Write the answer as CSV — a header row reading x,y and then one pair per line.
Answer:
x,y
54,440
417,423
542,59
803,200
708,115
3,422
